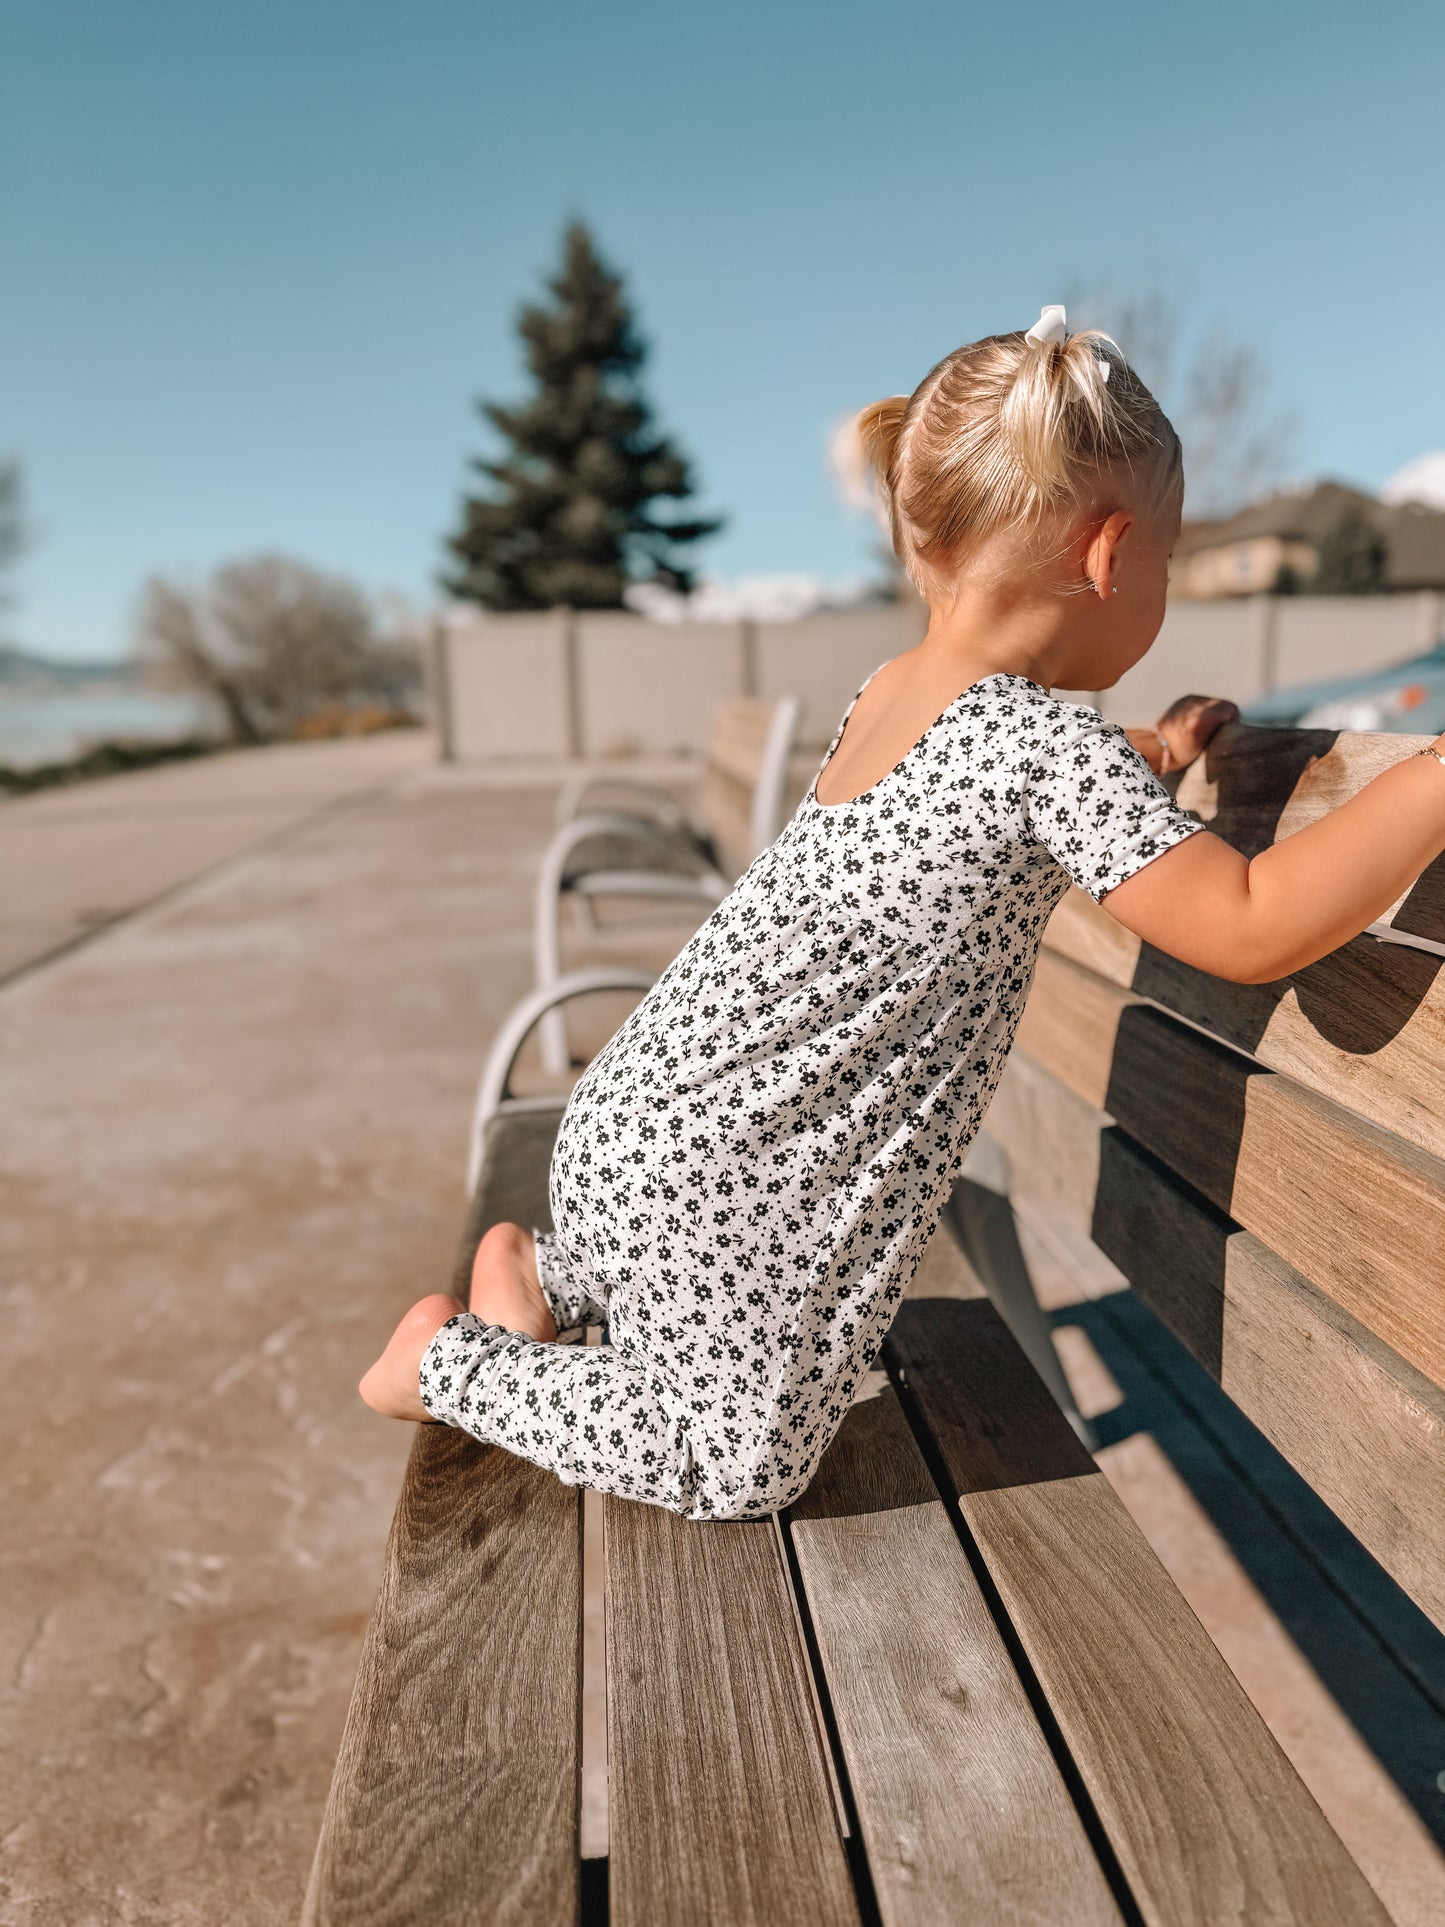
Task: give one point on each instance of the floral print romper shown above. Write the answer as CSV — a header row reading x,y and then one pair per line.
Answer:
x,y
746,1175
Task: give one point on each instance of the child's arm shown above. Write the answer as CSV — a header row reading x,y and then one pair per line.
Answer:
x,y
1254,921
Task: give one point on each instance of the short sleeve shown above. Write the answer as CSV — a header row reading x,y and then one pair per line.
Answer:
x,y
1097,807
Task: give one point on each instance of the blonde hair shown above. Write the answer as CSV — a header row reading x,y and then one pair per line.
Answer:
x,y
1010,433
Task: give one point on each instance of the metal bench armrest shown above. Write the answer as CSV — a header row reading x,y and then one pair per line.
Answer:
x,y
493,1094
578,792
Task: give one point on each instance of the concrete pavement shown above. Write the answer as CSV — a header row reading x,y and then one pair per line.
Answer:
x,y
232,1147
73,860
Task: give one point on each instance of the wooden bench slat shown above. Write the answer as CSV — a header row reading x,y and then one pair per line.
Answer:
x,y
733,764
741,738
1366,1430
1361,1425
720,1805
727,810
1208,1819
1066,1157
458,1771
1364,1026
1357,1210
962,1807
1256,786
457,1783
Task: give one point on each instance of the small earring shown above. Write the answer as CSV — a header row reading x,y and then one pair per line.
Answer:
x,y
1114,590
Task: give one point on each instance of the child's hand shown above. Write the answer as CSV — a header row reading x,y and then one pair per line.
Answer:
x,y
1187,725
1182,733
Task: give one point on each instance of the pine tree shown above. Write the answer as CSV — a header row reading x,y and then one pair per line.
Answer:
x,y
570,517
1351,558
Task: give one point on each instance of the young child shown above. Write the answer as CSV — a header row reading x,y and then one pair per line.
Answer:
x,y
746,1175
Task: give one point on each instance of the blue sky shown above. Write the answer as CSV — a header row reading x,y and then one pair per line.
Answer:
x,y
259,259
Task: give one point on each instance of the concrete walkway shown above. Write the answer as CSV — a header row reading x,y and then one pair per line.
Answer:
x,y
73,860
232,1151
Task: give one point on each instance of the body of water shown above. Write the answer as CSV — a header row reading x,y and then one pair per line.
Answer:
x,y
47,726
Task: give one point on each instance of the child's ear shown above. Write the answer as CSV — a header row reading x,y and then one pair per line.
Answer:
x,y
1100,552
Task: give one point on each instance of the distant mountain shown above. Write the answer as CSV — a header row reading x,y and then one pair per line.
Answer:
x,y
19,668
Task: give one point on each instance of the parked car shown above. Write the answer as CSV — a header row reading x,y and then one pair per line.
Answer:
x,y
1405,699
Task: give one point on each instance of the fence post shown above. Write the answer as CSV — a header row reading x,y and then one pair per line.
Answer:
x,y
749,656
441,668
1430,628
572,683
1266,638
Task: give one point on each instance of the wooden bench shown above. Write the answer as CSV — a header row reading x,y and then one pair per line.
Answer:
x,y
1266,1163
954,1683
645,845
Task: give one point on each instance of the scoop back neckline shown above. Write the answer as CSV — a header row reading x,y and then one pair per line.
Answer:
x,y
864,796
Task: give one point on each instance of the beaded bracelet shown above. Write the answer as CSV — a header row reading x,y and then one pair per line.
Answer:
x,y
1430,750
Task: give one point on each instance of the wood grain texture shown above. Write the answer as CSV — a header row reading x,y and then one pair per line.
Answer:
x,y
1361,1425
1357,1210
455,1794
1256,786
1364,1026
962,1808
731,770
721,1809
1208,1819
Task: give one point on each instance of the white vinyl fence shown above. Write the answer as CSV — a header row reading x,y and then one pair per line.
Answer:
x,y
597,685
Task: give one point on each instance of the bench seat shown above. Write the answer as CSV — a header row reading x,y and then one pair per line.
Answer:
x,y
953,1682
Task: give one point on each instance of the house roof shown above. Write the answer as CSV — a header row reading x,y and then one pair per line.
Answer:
x,y
1414,534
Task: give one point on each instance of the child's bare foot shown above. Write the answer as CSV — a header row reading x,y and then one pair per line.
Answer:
x,y
390,1387
505,1287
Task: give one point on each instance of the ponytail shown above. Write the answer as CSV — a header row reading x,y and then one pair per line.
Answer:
x,y
1006,432
879,429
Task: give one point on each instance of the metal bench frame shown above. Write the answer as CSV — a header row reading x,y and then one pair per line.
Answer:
x,y
684,863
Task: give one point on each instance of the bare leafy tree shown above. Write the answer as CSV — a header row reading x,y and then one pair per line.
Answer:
x,y
1214,388
272,640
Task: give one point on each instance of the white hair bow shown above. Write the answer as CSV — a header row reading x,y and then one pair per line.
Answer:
x,y
1048,328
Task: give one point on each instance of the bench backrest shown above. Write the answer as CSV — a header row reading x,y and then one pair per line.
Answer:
x,y
745,776
1266,1163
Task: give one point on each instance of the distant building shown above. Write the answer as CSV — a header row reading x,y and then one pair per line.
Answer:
x,y
1275,544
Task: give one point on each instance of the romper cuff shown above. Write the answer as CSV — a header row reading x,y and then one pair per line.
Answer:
x,y
450,1364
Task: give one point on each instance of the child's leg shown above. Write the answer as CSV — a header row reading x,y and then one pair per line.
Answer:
x,y
568,1287
595,1415
661,1416
504,1290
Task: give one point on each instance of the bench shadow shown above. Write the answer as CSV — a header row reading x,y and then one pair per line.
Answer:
x,y
1376,1653
962,1366
1358,998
